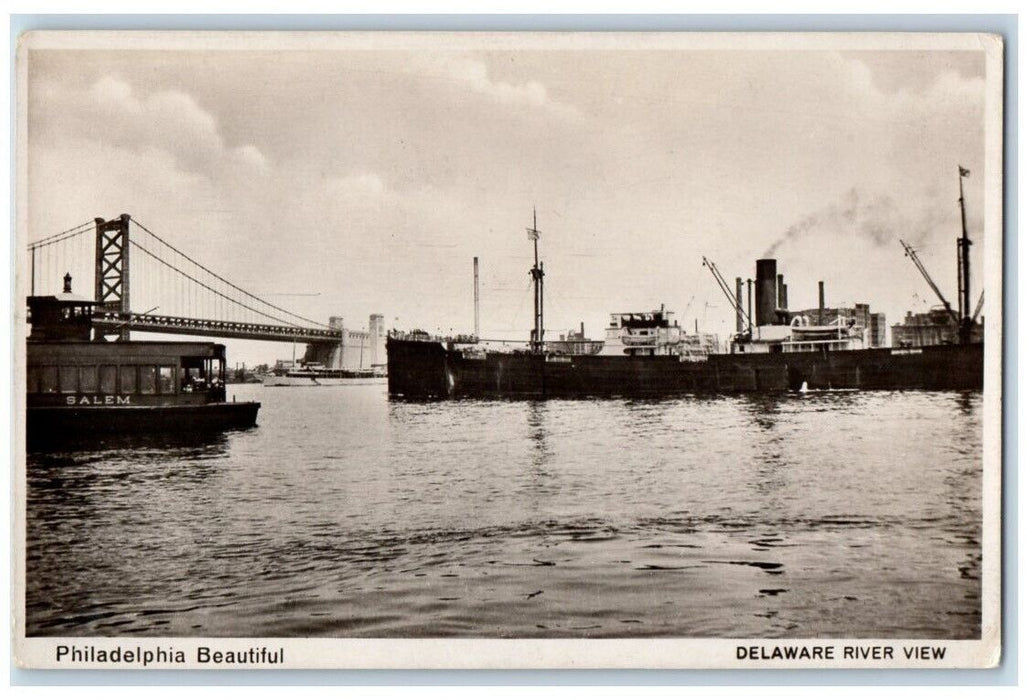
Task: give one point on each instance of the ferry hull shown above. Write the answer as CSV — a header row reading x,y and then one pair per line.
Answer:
x,y
423,369
45,423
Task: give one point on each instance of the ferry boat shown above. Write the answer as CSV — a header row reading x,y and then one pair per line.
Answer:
x,y
77,386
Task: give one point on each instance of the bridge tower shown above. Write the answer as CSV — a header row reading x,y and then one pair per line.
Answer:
x,y
112,272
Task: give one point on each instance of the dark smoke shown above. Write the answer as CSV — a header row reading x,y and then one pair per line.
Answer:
x,y
876,218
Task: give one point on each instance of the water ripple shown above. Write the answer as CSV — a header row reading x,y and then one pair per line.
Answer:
x,y
345,514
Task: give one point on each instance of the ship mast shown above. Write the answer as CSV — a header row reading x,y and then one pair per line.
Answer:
x,y
537,283
963,265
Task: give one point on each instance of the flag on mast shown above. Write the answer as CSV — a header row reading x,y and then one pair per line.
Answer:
x,y
964,172
533,232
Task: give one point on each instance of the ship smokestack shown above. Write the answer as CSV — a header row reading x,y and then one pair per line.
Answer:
x,y
766,291
785,296
739,320
821,303
779,295
749,303
476,297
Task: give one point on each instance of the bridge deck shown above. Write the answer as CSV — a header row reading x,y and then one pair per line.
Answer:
x,y
115,320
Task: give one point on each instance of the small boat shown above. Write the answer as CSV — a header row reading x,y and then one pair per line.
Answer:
x,y
313,374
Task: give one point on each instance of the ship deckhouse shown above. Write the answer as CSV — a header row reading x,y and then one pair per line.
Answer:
x,y
650,333
801,336
642,333
779,330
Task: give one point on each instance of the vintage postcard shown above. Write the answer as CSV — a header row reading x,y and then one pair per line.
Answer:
x,y
508,350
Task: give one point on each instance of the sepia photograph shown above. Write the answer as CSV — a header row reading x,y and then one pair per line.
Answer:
x,y
508,350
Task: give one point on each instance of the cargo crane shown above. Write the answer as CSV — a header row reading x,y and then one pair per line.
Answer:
x,y
742,316
964,265
963,318
909,252
978,307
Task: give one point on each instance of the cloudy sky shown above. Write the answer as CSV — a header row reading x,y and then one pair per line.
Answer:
x,y
350,182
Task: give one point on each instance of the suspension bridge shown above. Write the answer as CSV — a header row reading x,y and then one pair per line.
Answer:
x,y
134,267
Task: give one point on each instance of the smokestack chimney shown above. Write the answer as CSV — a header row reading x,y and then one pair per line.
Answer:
x,y
749,303
785,296
476,297
766,291
778,292
67,283
821,303
581,328
739,320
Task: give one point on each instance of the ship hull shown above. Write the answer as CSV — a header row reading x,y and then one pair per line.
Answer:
x,y
45,423
420,369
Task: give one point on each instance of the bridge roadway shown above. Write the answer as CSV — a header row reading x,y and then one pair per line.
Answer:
x,y
111,321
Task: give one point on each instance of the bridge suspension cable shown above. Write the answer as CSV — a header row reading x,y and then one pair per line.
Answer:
x,y
211,289
53,256
62,236
222,280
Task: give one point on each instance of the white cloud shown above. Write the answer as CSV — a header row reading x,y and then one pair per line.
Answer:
x,y
111,113
251,156
474,75
360,184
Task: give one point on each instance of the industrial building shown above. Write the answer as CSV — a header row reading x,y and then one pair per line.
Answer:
x,y
936,327
357,349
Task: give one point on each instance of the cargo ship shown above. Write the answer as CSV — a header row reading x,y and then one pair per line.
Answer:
x,y
650,354
78,386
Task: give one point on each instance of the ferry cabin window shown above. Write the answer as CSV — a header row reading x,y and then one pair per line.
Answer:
x,y
192,376
69,379
128,379
48,379
108,379
87,380
148,380
192,379
32,380
166,379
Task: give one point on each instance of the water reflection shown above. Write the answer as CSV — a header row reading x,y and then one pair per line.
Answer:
x,y
967,402
763,409
104,444
76,475
538,434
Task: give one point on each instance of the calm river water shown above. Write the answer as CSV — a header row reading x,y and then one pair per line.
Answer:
x,y
346,514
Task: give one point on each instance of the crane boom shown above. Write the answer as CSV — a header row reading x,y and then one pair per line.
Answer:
x,y
978,307
736,303
909,251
